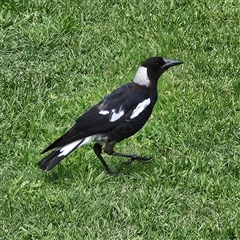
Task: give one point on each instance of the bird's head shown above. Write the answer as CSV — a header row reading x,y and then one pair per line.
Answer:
x,y
152,68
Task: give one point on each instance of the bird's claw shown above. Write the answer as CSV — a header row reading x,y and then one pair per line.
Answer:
x,y
114,174
144,159
138,158
128,162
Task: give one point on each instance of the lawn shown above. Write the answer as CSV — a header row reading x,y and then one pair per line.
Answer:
x,y
58,58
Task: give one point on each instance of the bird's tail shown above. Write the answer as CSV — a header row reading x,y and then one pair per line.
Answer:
x,y
55,157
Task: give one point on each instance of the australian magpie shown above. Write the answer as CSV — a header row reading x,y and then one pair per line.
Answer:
x,y
117,116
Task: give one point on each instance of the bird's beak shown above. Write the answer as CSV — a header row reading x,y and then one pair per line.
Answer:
x,y
169,63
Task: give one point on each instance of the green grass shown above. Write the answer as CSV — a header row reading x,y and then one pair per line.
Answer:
x,y
58,58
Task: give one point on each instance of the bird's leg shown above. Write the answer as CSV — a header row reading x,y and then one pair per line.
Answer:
x,y
132,157
98,150
109,150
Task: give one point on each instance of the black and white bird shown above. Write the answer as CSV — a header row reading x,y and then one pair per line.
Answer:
x,y
117,116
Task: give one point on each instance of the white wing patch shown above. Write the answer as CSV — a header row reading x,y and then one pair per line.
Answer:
x,y
86,141
104,112
141,77
82,142
68,148
140,107
116,115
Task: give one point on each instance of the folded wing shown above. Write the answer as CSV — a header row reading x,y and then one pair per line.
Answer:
x,y
114,109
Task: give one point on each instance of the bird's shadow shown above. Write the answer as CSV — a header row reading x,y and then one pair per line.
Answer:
x,y
64,172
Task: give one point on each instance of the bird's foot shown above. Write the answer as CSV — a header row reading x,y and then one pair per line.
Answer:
x,y
114,174
132,157
138,158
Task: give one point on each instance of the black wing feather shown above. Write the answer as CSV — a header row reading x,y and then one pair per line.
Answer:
x,y
127,97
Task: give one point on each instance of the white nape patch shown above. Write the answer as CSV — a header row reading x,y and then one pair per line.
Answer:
x,y
141,77
68,148
104,112
140,107
116,115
